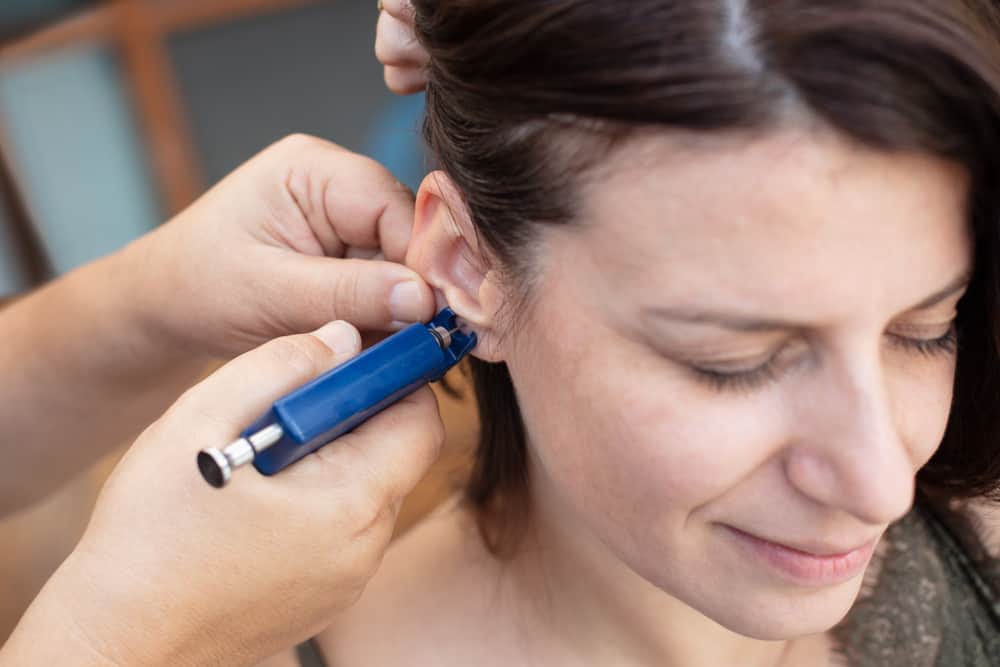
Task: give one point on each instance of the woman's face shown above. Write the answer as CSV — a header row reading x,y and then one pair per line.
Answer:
x,y
734,365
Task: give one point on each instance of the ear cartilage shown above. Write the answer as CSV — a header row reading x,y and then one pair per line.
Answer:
x,y
340,400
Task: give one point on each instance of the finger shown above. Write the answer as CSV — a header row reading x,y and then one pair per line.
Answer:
x,y
221,406
396,43
346,199
405,80
395,448
396,223
372,295
401,9
364,204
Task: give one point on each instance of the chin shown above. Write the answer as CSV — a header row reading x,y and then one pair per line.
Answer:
x,y
781,615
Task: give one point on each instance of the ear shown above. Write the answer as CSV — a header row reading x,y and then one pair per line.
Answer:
x,y
444,249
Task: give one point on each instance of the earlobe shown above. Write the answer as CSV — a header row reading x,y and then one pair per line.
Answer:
x,y
445,250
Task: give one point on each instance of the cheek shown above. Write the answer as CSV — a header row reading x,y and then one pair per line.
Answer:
x,y
625,440
921,396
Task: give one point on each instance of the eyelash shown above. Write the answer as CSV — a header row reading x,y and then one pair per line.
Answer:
x,y
946,345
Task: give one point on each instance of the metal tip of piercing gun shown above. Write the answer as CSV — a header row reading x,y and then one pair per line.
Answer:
x,y
338,401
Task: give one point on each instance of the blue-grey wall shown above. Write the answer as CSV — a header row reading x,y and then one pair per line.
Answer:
x,y
76,154
251,82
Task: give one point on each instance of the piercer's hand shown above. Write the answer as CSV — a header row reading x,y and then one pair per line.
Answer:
x,y
173,572
273,249
281,245
397,48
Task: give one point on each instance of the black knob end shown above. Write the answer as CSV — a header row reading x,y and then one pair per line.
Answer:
x,y
214,467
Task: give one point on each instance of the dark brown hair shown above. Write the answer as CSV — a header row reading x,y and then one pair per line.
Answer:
x,y
525,95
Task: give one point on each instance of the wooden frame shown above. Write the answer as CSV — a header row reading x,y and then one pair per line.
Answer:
x,y
28,244
139,29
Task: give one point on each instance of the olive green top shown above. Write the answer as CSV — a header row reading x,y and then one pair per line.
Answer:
x,y
931,598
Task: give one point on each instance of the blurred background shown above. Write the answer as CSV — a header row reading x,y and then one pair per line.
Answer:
x,y
115,115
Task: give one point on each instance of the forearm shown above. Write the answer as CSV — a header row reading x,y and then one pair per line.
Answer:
x,y
76,622
49,634
82,372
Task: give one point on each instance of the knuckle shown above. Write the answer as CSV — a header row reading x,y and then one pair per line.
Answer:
x,y
371,170
298,142
426,403
346,295
355,574
354,590
374,552
366,499
365,509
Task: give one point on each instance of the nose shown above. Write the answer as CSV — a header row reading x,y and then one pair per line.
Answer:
x,y
848,452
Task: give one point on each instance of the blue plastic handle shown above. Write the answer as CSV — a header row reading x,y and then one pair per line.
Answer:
x,y
340,400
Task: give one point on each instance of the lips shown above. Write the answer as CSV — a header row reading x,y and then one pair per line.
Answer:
x,y
818,549
810,563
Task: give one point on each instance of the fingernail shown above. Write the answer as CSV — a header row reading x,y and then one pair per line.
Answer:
x,y
405,302
340,337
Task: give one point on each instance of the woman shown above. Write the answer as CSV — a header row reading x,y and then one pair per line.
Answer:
x,y
733,266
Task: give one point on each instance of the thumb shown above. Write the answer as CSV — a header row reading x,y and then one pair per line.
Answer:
x,y
373,295
235,395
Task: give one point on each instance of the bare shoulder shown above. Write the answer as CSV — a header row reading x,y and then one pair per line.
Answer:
x,y
431,603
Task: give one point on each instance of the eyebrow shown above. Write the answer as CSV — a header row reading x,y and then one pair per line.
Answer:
x,y
739,322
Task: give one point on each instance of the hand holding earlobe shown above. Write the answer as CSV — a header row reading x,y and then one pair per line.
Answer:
x,y
304,233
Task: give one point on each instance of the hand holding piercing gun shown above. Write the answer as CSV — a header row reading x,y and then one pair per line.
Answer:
x,y
338,401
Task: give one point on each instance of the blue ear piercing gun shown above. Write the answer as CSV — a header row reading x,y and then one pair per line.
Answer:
x,y
341,399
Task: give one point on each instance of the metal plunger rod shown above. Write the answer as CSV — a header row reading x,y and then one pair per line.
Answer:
x,y
217,465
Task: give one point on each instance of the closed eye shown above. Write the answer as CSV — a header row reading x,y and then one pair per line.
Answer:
x,y
771,369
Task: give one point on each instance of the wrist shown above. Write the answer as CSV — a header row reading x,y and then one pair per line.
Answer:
x,y
53,632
